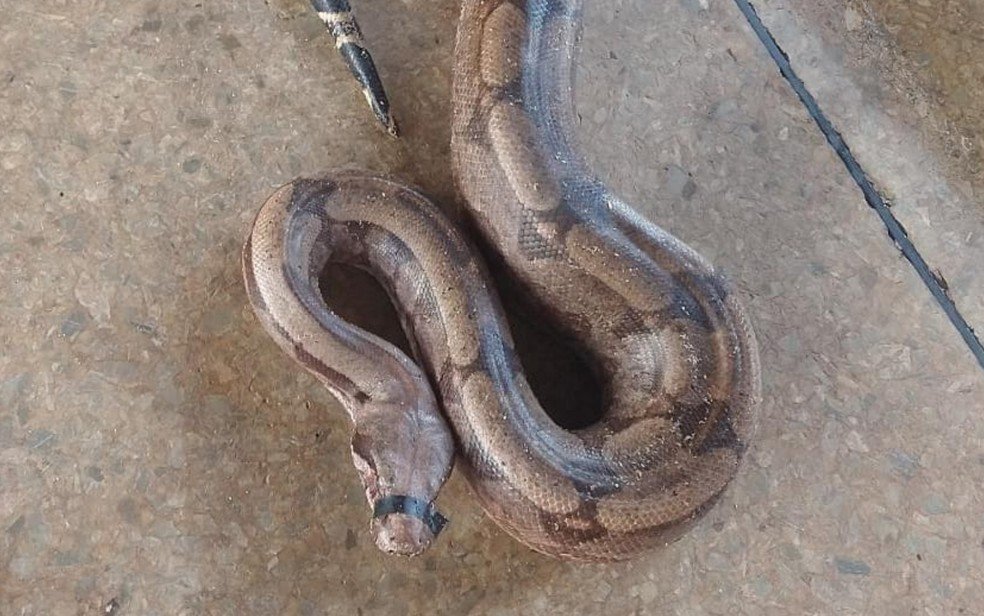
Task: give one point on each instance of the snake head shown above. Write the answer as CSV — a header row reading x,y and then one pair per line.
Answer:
x,y
403,457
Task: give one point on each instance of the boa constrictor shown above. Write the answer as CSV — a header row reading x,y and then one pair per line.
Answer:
x,y
661,328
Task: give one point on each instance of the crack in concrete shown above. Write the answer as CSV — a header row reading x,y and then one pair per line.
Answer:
x,y
934,281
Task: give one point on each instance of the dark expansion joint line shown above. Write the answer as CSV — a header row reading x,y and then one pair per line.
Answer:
x,y
895,229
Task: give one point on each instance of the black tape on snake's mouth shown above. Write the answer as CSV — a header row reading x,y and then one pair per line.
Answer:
x,y
413,507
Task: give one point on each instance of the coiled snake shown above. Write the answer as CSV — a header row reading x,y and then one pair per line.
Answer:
x,y
662,329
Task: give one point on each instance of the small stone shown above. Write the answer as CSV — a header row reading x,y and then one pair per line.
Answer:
x,y
764,459
127,509
648,592
41,439
14,388
761,587
694,5
852,19
68,89
147,329
6,432
192,165
855,443
935,505
229,42
94,295
790,551
852,567
219,319
903,463
11,162
199,122
16,526
67,559
176,455
73,324
678,183
726,110
22,566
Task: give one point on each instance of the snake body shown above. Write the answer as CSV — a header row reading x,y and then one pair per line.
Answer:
x,y
661,328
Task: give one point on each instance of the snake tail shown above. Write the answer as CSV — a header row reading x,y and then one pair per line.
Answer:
x,y
344,29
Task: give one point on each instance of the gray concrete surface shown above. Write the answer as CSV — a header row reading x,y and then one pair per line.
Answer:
x,y
158,455
898,79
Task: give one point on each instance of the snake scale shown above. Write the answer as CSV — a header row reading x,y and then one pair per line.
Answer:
x,y
661,328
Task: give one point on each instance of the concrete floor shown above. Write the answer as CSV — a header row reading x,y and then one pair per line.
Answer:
x,y
159,455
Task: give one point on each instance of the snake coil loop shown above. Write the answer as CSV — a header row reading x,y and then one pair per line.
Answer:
x,y
665,332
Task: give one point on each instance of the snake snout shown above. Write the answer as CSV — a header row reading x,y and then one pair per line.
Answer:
x,y
399,533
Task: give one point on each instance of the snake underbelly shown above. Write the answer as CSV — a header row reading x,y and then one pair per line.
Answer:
x,y
664,332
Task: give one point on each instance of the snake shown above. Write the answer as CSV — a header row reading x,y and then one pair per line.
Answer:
x,y
661,328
